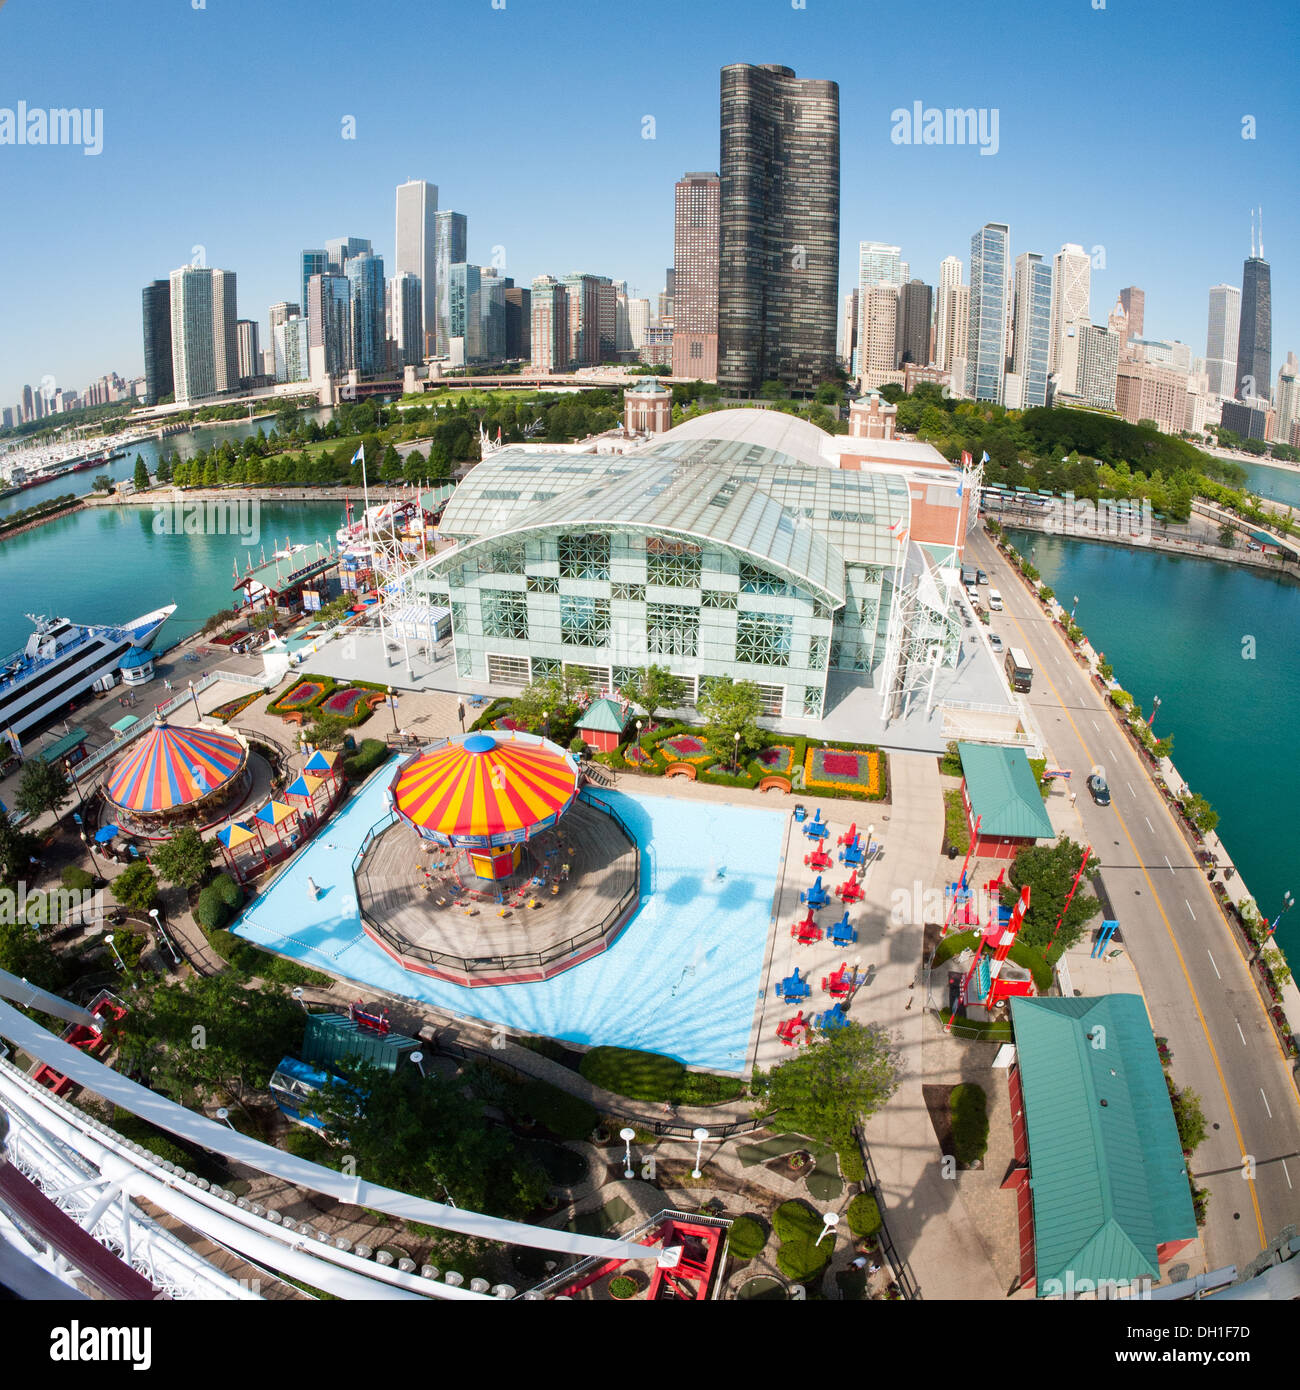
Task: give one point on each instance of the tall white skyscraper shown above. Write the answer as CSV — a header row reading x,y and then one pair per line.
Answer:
x,y
1286,398
417,209
949,278
205,341
406,317
451,247
1221,339
638,321
877,347
956,321
878,264
1071,286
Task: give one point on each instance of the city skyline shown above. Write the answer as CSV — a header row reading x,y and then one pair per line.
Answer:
x,y
333,182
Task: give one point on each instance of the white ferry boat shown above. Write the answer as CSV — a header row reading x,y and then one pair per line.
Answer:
x,y
61,661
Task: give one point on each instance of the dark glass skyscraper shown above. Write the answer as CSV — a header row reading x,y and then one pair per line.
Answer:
x,y
778,274
1255,336
156,303
913,341
365,274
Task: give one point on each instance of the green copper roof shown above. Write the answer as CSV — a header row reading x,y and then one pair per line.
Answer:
x,y
604,716
1107,1173
1003,792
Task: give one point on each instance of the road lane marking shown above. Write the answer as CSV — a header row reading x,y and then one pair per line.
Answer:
x,y
1096,726
1243,1036
1171,867
1267,1106
1287,1171
1189,908
1150,827
1131,792
1216,968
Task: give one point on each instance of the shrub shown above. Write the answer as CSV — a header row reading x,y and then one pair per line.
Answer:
x,y
800,1258
1121,699
77,879
136,888
650,1076
566,1116
218,902
970,1124
373,753
852,1168
621,1286
864,1215
950,763
956,832
747,1237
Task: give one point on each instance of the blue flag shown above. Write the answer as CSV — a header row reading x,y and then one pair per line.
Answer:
x,y
360,455
960,481
984,458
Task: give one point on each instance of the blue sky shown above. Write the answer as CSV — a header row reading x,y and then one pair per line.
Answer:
x,y
1119,128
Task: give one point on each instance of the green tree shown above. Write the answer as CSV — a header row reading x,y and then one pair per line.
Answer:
x,y
1199,811
103,483
728,708
16,849
211,1035
136,888
1227,535
42,787
1189,1117
825,1091
1048,871
141,475
654,688
25,954
424,1135
184,859
326,730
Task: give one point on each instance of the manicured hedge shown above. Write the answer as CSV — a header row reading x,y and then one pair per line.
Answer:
x,y
372,753
1026,956
566,1116
797,1227
327,683
852,1168
864,1215
747,1237
218,902
650,1076
968,1108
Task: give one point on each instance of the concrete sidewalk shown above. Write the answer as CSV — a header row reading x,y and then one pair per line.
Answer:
x,y
923,1211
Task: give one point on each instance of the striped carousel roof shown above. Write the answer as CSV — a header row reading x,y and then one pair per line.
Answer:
x,y
170,768
486,789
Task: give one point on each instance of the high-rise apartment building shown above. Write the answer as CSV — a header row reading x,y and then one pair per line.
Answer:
x,y
329,325
1033,320
878,343
779,263
1134,301
915,302
365,273
697,231
551,344
316,262
1071,297
949,279
638,321
1255,335
340,250
878,264
249,350
450,247
416,250
406,309
848,340
1098,365
27,407
156,305
1286,398
464,315
987,328
584,319
205,349
666,299
292,352
1221,339
519,323
956,322
492,314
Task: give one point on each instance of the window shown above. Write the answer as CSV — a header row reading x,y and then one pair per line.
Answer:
x,y
545,666
506,557
625,675
717,598
634,593
812,702
505,614
817,650
858,518
464,662
772,697
584,621
596,678
756,580
673,571
763,640
507,670
543,584
670,630
584,556
458,616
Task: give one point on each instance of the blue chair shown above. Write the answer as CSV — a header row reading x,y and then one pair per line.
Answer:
x,y
832,1020
793,987
816,896
841,933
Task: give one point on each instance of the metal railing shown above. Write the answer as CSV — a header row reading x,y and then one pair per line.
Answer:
x,y
903,1275
242,678
110,750
522,960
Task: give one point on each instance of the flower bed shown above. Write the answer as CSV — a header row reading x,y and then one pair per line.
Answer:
x,y
509,725
636,756
842,770
302,695
350,703
779,758
231,708
686,748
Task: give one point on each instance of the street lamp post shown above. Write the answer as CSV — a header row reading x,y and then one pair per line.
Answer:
x,y
1076,604
85,840
627,1134
1288,902
830,1220
163,937
297,994
699,1135
735,757
392,705
546,723
224,1116
418,1059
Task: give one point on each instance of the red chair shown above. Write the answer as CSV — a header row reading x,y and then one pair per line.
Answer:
x,y
818,859
849,836
850,891
791,1029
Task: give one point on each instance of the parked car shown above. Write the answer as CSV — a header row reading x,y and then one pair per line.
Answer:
x,y
1099,790
981,577
995,642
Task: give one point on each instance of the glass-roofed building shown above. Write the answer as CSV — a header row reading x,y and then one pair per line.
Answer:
x,y
729,546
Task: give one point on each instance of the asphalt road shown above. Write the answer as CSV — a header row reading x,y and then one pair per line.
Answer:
x,y
1193,971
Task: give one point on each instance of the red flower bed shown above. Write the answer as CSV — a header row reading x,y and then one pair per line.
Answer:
x,y
302,694
837,767
778,758
686,748
348,702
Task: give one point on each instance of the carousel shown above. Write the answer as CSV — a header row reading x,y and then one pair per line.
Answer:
x,y
511,876
173,775
486,795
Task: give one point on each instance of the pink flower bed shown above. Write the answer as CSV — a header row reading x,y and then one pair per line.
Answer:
x,y
685,748
347,703
302,694
778,758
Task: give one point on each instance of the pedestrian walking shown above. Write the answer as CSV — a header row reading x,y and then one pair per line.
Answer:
x,y
1074,796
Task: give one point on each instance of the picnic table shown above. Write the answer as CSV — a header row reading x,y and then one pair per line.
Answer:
x,y
807,931
792,1031
816,896
793,987
850,891
841,933
834,1018
818,859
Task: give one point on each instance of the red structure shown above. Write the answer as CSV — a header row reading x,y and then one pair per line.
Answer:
x,y
998,939
792,1031
377,1021
83,1037
850,891
807,931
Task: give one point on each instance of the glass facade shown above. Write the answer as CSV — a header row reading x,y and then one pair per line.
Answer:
x,y
986,340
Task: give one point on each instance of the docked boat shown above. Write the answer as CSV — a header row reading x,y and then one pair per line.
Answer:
x,y
62,661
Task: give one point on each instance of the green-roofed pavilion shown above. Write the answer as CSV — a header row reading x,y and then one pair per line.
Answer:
x,y
602,723
999,787
333,1038
1107,1172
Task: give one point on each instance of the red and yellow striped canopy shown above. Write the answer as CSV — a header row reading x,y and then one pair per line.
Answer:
x,y
172,767
485,789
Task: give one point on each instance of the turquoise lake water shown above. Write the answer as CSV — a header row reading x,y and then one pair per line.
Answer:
x,y
1220,645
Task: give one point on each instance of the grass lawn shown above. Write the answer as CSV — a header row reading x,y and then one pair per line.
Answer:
x,y
650,1076
955,830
